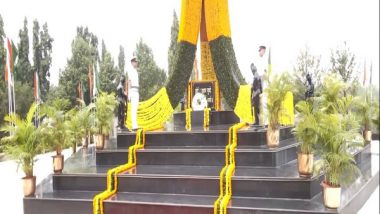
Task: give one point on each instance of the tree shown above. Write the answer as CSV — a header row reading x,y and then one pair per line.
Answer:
x,y
3,88
84,55
121,60
23,70
343,63
173,43
24,98
151,77
109,75
36,48
306,64
46,50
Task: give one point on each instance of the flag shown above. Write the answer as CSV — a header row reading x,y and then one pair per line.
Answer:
x,y
365,74
96,80
8,63
37,92
90,80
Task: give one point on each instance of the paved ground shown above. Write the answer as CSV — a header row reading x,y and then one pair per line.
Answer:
x,y
11,185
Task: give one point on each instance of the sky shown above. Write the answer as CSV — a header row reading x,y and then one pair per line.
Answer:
x,y
285,26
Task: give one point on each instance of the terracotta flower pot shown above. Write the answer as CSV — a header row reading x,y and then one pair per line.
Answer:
x,y
331,195
273,138
367,135
29,185
58,163
305,164
99,141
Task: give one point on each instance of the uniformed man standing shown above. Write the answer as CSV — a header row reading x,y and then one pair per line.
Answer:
x,y
133,91
121,98
257,90
262,66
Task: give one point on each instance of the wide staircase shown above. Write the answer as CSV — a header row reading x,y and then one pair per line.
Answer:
x,y
178,172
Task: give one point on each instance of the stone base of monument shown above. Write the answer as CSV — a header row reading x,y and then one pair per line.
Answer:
x,y
197,118
178,172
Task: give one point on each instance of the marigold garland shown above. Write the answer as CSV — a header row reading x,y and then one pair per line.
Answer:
x,y
190,21
287,110
188,119
206,117
221,203
243,104
153,113
112,179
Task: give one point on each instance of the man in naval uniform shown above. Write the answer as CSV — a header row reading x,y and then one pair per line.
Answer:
x,y
121,98
262,66
133,91
257,90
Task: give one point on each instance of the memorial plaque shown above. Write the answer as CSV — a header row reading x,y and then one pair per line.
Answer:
x,y
207,88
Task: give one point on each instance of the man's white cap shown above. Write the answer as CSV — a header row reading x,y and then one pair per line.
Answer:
x,y
134,58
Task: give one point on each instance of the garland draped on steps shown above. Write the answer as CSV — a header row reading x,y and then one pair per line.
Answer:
x,y
188,119
220,205
206,117
112,179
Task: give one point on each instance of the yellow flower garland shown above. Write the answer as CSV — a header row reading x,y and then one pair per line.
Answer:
x,y
190,21
217,12
208,72
112,179
188,119
287,112
243,104
221,203
153,113
206,117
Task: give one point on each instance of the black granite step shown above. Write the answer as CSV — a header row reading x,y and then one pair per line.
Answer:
x,y
197,118
54,198
215,136
203,156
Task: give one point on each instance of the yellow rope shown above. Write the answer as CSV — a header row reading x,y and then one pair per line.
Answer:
x,y
221,203
112,179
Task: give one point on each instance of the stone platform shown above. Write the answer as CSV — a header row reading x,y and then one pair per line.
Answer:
x,y
178,172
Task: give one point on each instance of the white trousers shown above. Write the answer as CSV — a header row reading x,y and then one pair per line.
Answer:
x,y
134,98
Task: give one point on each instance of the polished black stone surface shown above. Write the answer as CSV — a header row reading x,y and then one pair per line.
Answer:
x,y
175,177
197,118
198,136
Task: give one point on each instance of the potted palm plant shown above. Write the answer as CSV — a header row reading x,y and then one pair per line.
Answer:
x,y
23,145
105,105
55,132
306,130
337,136
75,130
278,87
86,119
366,113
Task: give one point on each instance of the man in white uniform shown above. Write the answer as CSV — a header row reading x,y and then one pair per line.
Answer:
x,y
262,66
133,91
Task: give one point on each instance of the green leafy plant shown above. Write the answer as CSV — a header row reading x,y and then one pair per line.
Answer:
x,y
366,112
375,120
53,127
279,86
22,145
337,136
331,93
105,106
306,129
